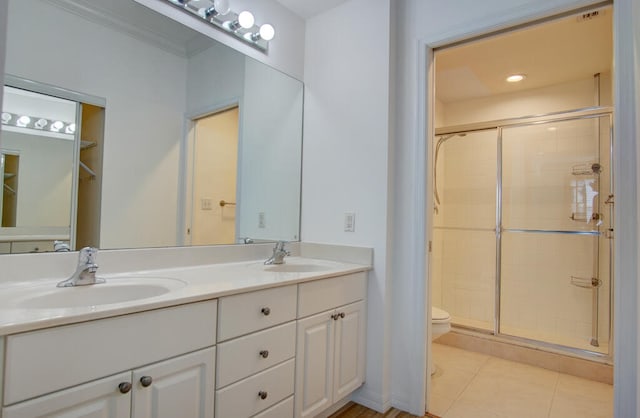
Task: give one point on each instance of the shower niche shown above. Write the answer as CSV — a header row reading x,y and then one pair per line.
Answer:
x,y
523,218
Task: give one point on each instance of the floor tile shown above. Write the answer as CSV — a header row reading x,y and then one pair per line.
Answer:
x,y
448,358
581,398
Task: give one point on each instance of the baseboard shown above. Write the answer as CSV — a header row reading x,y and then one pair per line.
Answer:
x,y
371,400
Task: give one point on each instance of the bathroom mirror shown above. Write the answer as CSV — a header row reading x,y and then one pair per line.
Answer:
x,y
157,80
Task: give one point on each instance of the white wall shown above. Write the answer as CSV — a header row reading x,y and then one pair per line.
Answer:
x,y
141,85
346,156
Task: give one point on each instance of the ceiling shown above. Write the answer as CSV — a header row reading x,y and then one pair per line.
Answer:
x,y
309,8
551,53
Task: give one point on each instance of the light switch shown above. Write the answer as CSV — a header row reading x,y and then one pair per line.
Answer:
x,y
349,222
205,203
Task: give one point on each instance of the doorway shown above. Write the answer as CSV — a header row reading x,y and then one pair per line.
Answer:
x,y
215,167
505,260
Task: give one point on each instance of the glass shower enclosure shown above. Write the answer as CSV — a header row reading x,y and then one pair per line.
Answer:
x,y
522,237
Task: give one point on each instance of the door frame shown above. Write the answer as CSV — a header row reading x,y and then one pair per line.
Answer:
x,y
626,74
187,166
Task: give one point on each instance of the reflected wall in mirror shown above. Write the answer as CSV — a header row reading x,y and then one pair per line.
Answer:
x,y
157,78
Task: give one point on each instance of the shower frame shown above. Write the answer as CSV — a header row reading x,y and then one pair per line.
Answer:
x,y
498,125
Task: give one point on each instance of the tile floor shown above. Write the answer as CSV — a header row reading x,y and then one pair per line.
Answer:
x,y
468,384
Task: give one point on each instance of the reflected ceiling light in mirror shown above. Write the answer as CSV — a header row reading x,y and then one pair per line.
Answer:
x,y
38,123
23,121
56,126
219,14
41,123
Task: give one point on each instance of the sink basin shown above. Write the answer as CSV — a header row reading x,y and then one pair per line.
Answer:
x,y
122,289
295,268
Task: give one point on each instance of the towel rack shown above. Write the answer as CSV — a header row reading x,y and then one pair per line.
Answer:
x,y
224,203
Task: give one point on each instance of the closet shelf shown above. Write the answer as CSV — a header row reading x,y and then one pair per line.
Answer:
x,y
9,175
87,144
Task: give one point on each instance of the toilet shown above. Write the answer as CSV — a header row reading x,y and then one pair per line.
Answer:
x,y
440,325
440,322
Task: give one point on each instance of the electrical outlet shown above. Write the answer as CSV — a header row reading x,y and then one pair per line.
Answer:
x,y
205,203
261,221
349,222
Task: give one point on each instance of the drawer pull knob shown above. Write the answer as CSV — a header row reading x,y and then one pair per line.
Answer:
x,y
335,317
265,311
264,353
124,387
146,381
341,314
262,394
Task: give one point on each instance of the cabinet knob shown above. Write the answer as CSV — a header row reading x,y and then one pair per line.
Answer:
x,y
264,353
341,314
124,387
262,394
265,311
335,317
146,381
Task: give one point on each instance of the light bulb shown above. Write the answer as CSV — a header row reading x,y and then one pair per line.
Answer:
x,y
6,117
41,123
246,19
267,32
56,126
221,6
23,121
71,129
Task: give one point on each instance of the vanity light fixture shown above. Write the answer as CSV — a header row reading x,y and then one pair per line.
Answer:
x,y
41,123
514,78
23,121
56,126
38,123
241,25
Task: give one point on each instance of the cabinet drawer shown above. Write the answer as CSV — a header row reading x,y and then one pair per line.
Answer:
x,y
255,352
324,294
242,399
48,360
248,312
282,410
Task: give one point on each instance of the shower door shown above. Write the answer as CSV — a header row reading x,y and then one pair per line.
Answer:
x,y
554,272
464,234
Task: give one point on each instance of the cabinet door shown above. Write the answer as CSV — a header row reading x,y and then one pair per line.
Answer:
x,y
314,364
180,387
99,399
348,368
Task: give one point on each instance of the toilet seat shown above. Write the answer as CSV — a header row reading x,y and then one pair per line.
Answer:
x,y
439,316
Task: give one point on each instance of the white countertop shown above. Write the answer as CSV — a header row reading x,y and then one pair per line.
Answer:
x,y
200,283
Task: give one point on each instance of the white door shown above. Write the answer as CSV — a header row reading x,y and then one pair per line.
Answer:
x,y
99,399
348,368
181,387
314,364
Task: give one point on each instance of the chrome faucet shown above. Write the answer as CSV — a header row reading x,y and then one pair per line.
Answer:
x,y
86,271
279,253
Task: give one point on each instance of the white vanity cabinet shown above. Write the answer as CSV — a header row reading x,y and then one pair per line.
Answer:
x,y
158,363
256,350
330,355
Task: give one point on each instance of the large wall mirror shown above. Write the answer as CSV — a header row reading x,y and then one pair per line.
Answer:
x,y
169,137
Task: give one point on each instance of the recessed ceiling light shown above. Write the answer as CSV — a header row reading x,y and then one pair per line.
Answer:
x,y
514,78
